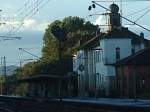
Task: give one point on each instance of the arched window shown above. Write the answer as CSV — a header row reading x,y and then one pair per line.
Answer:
x,y
117,53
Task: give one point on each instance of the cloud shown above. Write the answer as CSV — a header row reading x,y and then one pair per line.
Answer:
x,y
100,21
28,25
29,22
33,25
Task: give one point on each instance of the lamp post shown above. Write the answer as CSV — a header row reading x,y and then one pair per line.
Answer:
x,y
60,34
3,77
22,61
22,49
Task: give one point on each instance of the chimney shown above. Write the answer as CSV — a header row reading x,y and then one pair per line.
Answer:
x,y
142,35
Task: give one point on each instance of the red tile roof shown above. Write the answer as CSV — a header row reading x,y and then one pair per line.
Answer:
x,y
140,58
116,33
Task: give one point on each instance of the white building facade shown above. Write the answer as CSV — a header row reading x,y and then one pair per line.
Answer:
x,y
95,62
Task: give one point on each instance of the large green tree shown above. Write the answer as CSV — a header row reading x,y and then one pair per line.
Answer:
x,y
76,29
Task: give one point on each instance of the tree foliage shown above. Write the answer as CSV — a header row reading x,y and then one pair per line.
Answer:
x,y
76,29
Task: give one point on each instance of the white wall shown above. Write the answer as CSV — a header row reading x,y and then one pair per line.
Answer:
x,y
108,47
138,47
81,59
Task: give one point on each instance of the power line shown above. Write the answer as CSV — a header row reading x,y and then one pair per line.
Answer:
x,y
22,9
94,2
29,53
32,9
142,15
122,1
139,11
24,14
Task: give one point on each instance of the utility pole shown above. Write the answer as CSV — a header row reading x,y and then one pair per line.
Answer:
x,y
4,75
5,67
1,78
134,84
22,61
134,23
121,10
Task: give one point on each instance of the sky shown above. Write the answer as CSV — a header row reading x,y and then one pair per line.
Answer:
x,y
16,12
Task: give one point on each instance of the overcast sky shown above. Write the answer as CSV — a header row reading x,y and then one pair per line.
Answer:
x,y
14,12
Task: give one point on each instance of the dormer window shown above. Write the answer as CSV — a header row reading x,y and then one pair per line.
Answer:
x,y
117,53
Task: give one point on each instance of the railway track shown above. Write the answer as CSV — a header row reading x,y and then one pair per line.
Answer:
x,y
22,104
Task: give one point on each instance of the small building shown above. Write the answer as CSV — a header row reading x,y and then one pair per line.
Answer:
x,y
50,86
94,61
133,74
58,81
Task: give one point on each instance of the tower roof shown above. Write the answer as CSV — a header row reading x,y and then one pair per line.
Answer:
x,y
114,8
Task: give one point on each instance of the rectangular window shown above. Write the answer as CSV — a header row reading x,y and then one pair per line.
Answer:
x,y
97,56
117,54
100,56
94,56
97,80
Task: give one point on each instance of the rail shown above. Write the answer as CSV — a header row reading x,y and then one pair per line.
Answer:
x,y
24,104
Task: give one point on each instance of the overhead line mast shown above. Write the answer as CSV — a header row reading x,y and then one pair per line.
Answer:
x,y
22,49
121,10
4,37
120,1
134,23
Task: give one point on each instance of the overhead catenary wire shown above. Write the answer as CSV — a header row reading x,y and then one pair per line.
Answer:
x,y
22,9
120,1
27,7
29,53
142,15
25,16
29,13
39,6
32,9
32,13
137,12
20,12
94,2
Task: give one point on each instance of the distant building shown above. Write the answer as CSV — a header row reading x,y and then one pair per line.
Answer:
x,y
94,62
133,74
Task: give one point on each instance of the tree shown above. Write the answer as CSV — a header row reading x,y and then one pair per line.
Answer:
x,y
75,28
